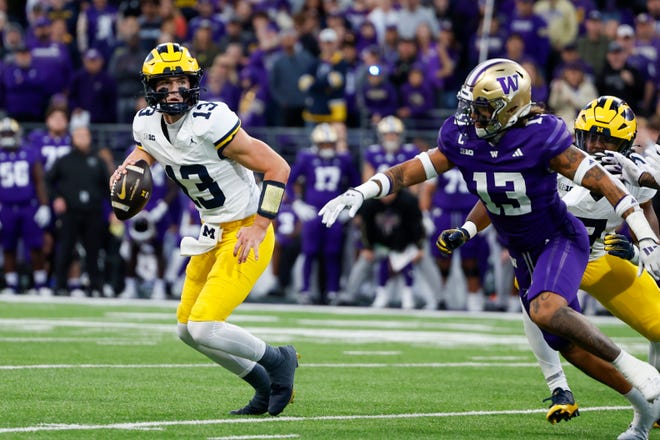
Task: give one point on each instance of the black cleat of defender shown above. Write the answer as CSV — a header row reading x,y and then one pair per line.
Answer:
x,y
563,406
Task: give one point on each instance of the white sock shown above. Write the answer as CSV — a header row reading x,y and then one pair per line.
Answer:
x,y
547,358
626,363
11,279
236,365
229,338
654,354
40,277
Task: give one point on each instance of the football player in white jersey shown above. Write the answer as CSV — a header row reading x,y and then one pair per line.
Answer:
x,y
212,159
606,124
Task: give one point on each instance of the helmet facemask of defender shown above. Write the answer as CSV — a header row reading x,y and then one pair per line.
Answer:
x,y
165,61
390,132
606,123
10,134
494,96
324,139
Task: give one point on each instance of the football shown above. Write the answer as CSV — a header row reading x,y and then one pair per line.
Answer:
x,y
131,192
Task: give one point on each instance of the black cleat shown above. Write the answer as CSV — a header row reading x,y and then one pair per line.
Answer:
x,y
281,388
250,410
563,406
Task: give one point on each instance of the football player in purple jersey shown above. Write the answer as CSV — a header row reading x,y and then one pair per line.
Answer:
x,y
447,202
24,210
156,218
509,152
323,173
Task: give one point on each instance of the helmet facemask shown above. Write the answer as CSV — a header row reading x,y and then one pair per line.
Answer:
x,y
158,98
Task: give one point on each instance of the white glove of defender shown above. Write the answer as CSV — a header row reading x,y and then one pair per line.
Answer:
x,y
625,169
351,200
304,211
652,157
649,258
42,216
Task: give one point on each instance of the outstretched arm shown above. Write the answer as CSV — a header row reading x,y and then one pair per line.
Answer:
x,y
424,166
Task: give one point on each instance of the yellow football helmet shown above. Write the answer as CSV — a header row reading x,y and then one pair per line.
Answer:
x,y
609,118
324,139
10,133
166,60
494,96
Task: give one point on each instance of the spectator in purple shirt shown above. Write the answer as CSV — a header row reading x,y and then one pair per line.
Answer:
x,y
417,99
94,90
379,96
221,83
532,29
96,26
24,84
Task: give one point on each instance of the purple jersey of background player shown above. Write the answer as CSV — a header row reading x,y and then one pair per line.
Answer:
x,y
18,199
50,147
325,179
285,224
450,205
380,159
514,181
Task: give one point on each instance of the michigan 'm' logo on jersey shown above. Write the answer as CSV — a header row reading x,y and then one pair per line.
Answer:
x,y
221,189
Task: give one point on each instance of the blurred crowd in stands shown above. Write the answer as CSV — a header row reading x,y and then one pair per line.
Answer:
x,y
68,66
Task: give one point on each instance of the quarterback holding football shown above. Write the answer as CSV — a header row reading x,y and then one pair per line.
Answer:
x,y
212,159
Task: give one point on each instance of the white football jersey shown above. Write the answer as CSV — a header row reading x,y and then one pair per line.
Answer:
x,y
222,189
596,213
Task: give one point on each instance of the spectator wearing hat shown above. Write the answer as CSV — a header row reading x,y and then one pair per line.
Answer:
x,y
532,29
646,66
150,22
592,46
324,83
203,44
125,65
93,90
96,27
570,55
366,36
570,91
620,78
379,96
206,16
288,67
417,99
407,55
51,57
26,93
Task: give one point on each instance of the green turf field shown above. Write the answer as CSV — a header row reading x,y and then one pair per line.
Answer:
x,y
104,369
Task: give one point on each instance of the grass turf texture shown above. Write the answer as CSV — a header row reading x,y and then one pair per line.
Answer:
x,y
103,369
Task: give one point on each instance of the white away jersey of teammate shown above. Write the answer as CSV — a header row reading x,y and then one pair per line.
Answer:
x,y
598,215
222,189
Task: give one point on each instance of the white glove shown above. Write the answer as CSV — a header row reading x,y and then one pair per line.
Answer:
x,y
351,200
621,167
42,216
304,211
649,258
157,212
652,157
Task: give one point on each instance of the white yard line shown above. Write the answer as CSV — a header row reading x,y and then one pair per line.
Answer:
x,y
250,437
254,420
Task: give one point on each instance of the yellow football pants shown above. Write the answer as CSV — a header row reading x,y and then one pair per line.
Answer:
x,y
216,283
634,300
